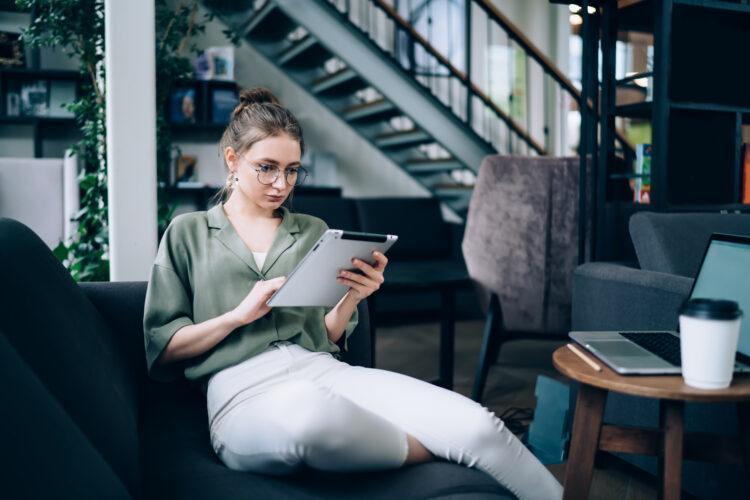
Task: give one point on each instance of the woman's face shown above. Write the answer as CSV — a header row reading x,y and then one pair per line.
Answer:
x,y
258,163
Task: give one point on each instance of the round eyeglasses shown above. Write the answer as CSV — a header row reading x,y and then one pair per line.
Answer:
x,y
267,174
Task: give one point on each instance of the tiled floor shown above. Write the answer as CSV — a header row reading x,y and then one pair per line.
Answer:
x,y
413,350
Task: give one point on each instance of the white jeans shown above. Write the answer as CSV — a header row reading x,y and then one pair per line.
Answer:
x,y
288,406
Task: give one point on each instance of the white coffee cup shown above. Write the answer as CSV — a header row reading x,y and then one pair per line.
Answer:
x,y
709,331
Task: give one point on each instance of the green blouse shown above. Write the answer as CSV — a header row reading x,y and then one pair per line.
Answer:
x,y
203,269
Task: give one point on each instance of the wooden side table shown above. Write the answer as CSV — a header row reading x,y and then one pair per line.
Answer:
x,y
669,443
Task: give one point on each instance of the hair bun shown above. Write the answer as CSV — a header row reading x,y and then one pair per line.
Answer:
x,y
257,95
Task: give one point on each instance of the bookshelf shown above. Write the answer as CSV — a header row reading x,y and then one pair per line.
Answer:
x,y
47,88
700,104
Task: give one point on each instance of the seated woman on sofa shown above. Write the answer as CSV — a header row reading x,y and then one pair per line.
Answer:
x,y
277,395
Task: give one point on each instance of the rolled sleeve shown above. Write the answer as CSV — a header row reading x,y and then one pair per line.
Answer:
x,y
168,308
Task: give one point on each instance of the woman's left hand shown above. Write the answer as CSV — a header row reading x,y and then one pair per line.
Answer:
x,y
363,285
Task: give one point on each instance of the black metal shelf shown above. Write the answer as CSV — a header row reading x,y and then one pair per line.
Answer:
x,y
699,104
717,5
640,110
706,106
36,120
644,109
636,16
31,73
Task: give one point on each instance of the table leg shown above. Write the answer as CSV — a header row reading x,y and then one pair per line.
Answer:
x,y
670,463
584,441
447,337
743,414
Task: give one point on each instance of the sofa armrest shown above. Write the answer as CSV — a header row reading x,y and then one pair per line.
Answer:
x,y
608,296
121,305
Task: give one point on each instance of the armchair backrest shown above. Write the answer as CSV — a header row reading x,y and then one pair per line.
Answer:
x,y
337,212
674,243
521,239
418,222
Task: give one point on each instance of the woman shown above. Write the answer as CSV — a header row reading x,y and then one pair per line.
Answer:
x,y
277,395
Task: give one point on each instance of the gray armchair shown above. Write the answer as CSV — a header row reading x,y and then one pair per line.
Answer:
x,y
520,247
647,295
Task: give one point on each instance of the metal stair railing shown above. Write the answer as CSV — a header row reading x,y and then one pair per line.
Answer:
x,y
512,100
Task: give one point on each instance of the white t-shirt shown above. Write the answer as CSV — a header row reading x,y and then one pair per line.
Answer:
x,y
260,258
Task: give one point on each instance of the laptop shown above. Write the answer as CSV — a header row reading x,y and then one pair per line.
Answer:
x,y
724,274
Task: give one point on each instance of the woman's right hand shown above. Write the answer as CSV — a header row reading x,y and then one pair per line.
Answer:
x,y
254,305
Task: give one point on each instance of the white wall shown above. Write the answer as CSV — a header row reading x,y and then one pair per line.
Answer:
x,y
131,137
363,169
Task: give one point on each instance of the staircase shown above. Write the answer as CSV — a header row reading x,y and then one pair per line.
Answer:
x,y
371,67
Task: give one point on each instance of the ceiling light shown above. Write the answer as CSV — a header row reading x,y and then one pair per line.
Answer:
x,y
574,8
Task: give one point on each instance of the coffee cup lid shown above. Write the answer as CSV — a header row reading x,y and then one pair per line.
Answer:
x,y
711,309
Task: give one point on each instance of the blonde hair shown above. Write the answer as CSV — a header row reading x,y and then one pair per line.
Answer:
x,y
258,115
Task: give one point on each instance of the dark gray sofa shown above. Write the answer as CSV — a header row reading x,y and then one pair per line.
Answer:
x,y
647,295
81,419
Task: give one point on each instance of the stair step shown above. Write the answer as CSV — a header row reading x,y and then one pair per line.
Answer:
x,y
343,82
403,139
453,192
424,166
373,111
460,206
269,24
305,53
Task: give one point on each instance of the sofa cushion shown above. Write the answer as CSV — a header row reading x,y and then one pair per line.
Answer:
x,y
675,243
44,453
120,304
418,222
180,463
64,340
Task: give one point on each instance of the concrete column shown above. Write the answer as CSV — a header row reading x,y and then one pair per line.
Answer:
x,y
131,137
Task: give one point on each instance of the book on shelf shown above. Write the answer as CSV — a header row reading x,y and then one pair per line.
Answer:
x,y
185,170
642,184
223,102
35,98
215,63
182,105
746,173
11,50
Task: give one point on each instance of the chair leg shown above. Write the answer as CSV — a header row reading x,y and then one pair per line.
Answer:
x,y
491,342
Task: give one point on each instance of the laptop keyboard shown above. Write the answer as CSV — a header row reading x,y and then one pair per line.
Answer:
x,y
662,344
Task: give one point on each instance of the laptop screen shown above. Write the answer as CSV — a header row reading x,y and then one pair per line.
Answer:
x,y
725,274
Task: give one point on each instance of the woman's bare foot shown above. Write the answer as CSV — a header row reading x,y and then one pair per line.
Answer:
x,y
417,452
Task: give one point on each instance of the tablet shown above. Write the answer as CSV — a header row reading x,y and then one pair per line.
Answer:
x,y
313,282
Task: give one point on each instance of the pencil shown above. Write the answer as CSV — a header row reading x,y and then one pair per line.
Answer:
x,y
581,355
